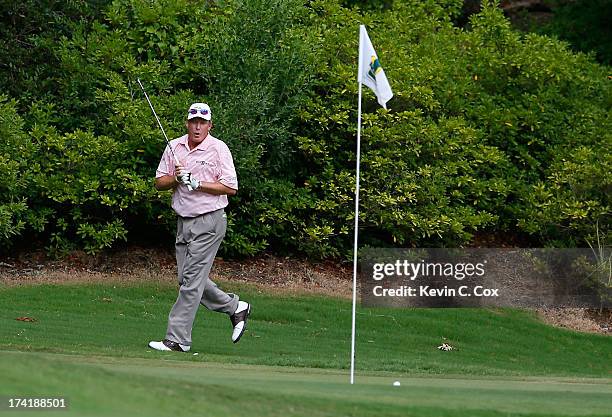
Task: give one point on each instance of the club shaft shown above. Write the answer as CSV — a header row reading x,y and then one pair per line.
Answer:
x,y
158,121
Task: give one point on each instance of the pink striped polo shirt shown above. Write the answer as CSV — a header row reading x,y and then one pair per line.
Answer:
x,y
210,161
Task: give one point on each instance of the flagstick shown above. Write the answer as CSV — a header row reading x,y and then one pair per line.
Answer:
x,y
380,85
356,235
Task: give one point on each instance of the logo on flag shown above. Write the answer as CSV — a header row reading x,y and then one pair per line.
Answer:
x,y
374,68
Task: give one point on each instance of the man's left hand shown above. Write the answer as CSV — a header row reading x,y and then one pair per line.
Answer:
x,y
190,181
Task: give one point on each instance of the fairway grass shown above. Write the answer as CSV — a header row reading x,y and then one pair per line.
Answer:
x,y
89,344
106,386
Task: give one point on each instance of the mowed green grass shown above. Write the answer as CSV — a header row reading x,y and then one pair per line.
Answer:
x,y
105,386
89,344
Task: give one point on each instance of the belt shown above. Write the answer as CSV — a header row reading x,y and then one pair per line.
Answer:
x,y
203,214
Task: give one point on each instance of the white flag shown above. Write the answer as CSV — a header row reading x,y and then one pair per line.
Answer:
x,y
370,71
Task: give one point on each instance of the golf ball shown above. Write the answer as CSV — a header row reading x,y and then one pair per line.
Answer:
x,y
396,384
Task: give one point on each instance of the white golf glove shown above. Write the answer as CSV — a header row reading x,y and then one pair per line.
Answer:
x,y
188,180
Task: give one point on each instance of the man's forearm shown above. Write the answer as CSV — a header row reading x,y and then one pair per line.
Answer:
x,y
215,188
167,182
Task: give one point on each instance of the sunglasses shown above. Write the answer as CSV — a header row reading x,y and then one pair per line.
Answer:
x,y
195,111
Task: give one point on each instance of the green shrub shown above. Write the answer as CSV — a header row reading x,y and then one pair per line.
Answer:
x,y
13,207
585,24
102,145
479,120
489,131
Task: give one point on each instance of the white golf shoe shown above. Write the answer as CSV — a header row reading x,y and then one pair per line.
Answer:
x,y
168,345
239,320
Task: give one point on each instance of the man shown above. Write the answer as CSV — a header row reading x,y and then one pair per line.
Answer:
x,y
201,183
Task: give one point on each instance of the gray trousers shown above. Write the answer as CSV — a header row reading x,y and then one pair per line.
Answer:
x,y
197,242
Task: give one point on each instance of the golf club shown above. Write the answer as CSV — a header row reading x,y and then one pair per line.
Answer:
x,y
161,127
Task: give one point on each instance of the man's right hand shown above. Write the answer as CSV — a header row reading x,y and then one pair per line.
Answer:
x,y
180,171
